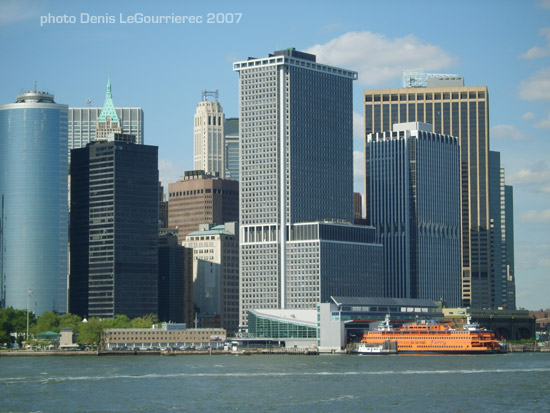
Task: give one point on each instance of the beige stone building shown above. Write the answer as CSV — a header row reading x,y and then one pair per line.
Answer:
x,y
167,336
208,134
216,275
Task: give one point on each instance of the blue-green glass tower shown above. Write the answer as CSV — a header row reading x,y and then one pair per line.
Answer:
x,y
33,182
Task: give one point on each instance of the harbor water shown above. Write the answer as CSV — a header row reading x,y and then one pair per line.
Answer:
x,y
276,383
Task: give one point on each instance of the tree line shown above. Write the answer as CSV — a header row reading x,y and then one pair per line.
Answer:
x,y
13,325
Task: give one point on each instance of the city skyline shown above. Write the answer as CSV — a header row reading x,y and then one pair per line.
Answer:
x,y
516,71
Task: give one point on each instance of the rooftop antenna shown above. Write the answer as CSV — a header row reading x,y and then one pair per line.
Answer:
x,y
212,93
35,89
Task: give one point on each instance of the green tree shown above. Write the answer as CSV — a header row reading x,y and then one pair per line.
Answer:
x,y
146,321
89,333
6,326
48,321
14,321
120,321
70,321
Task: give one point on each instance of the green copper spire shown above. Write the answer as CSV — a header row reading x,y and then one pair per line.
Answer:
x,y
108,107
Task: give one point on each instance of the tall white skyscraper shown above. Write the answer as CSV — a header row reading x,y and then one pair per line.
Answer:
x,y
296,170
209,133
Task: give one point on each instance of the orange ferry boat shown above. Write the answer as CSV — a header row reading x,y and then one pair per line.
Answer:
x,y
434,337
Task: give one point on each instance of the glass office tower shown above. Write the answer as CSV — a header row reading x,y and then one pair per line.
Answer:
x,y
33,184
461,111
414,203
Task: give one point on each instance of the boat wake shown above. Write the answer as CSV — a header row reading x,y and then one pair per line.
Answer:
x,y
61,379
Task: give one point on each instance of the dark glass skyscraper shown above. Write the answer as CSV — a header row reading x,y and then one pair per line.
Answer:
x,y
33,183
114,229
414,203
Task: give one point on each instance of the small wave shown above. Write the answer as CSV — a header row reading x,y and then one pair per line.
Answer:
x,y
155,376
345,397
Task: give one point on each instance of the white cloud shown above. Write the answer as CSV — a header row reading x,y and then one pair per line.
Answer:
x,y
507,132
170,172
528,116
358,126
12,11
536,179
358,170
536,51
543,124
536,217
544,4
536,87
379,59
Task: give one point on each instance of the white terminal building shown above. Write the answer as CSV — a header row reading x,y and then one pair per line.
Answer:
x,y
297,244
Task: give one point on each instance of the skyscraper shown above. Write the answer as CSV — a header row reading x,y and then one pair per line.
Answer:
x,y
502,235
296,167
463,112
114,228
108,121
413,193
209,134
85,124
216,275
33,184
201,198
510,266
231,148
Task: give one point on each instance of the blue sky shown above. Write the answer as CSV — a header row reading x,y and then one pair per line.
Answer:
x,y
164,67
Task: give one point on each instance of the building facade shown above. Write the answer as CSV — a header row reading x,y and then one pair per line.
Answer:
x,y
34,217
201,198
231,148
87,124
357,207
83,123
209,134
502,235
510,266
165,337
114,229
413,200
175,281
216,275
463,112
296,167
